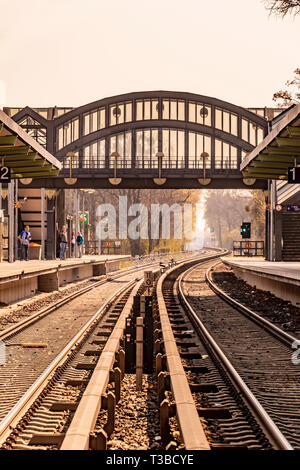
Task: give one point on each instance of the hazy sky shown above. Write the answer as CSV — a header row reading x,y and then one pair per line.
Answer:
x,y
72,52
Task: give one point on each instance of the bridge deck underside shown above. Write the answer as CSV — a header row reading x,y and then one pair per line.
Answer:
x,y
176,179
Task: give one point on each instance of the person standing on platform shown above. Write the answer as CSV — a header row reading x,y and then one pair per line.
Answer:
x,y
63,242
24,237
73,241
79,241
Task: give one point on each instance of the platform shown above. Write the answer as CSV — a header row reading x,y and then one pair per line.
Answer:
x,y
22,279
280,278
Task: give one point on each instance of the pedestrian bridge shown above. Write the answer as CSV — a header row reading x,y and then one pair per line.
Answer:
x,y
156,139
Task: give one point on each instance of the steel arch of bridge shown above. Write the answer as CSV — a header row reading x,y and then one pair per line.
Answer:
x,y
133,175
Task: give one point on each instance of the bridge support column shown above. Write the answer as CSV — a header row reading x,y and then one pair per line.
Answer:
x,y
11,221
266,234
278,235
272,211
51,229
270,235
61,208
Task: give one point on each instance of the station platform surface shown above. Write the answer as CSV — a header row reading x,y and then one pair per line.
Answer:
x,y
286,270
280,278
33,266
23,279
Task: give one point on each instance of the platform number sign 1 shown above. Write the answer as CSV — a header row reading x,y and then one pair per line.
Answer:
x,y
5,175
294,175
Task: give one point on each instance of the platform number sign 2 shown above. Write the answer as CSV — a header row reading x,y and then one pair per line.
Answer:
x,y
294,175
5,176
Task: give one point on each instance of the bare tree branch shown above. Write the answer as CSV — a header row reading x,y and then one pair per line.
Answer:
x,y
283,7
291,94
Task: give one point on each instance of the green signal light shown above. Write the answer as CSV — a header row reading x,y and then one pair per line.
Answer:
x,y
246,230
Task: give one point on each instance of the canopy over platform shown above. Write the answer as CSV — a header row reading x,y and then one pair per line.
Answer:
x,y
279,150
22,154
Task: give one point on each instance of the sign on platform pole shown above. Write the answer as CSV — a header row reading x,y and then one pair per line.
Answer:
x,y
43,222
16,226
11,225
76,220
294,175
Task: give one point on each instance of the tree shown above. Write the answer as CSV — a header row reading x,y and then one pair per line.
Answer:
x,y
225,210
291,94
146,197
283,7
257,210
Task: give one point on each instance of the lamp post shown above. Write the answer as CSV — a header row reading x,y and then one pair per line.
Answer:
x,y
43,222
82,222
70,180
76,219
272,207
16,214
160,181
204,181
82,218
115,181
11,233
204,156
86,204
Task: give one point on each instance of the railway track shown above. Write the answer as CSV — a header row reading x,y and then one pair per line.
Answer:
x,y
45,409
229,415
51,328
28,364
259,352
80,402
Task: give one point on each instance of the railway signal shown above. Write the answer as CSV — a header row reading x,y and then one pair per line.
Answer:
x,y
246,230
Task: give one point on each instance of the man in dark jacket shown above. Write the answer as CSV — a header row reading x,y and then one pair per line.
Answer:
x,y
25,237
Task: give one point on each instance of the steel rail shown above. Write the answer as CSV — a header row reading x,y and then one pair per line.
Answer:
x,y
83,423
279,334
22,406
271,430
27,400
192,431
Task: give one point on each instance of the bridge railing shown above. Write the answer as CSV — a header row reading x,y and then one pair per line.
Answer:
x,y
152,162
223,163
84,162
168,162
